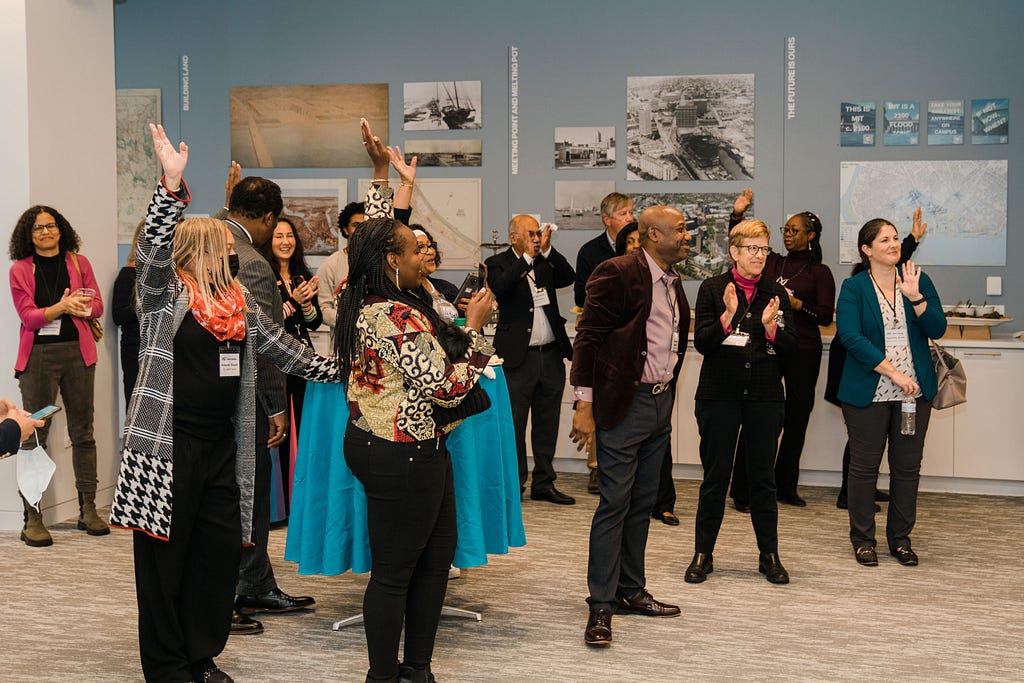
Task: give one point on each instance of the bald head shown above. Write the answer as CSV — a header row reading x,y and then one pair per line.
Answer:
x,y
663,235
524,235
657,217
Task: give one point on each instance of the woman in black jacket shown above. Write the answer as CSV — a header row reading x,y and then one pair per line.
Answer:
x,y
743,324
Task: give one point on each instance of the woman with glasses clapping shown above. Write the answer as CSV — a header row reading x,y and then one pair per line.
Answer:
x,y
743,325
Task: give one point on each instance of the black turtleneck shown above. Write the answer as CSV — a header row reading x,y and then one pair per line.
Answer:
x,y
51,274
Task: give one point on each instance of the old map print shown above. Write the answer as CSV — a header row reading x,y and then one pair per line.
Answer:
x,y
138,169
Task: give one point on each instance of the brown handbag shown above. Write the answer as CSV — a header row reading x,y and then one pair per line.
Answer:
x,y
949,371
95,326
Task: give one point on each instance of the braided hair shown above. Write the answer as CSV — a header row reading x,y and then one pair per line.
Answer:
x,y
814,225
368,275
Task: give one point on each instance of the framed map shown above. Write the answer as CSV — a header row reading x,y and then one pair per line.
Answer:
x,y
138,169
450,208
313,206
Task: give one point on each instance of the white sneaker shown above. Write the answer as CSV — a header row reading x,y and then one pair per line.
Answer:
x,y
454,573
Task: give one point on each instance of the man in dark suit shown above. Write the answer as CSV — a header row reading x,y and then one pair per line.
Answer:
x,y
629,348
253,209
531,338
616,212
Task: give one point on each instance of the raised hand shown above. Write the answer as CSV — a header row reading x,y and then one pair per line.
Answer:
x,y
172,160
919,229
376,149
743,202
545,238
910,282
234,175
406,172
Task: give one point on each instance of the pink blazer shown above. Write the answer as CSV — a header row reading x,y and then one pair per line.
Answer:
x,y
23,290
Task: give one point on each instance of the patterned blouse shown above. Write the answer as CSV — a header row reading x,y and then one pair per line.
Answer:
x,y
899,356
403,371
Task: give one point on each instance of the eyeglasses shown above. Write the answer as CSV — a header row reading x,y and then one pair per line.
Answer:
x,y
45,226
427,246
753,249
790,231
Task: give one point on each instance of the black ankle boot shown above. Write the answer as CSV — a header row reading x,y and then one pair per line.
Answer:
x,y
410,674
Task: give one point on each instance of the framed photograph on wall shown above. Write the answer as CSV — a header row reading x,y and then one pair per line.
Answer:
x,y
313,205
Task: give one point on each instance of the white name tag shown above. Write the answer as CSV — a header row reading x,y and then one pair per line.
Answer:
x,y
230,362
675,340
896,337
736,339
540,297
50,329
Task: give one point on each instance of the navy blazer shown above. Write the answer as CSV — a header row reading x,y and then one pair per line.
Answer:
x,y
611,338
861,330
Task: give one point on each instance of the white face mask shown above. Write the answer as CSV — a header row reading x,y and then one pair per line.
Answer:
x,y
35,469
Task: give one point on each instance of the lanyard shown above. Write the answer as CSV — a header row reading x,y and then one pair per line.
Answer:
x,y
880,291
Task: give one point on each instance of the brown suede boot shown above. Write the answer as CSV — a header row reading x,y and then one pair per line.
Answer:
x,y
35,533
88,520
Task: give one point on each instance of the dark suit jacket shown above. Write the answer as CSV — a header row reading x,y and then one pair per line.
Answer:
x,y
507,278
741,373
589,257
611,338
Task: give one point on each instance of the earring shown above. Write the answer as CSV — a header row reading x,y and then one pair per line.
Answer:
x,y
396,278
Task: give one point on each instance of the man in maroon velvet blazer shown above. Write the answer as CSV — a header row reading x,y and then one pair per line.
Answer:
x,y
627,355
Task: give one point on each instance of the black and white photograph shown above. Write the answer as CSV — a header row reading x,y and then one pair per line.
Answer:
x,y
442,105
578,203
690,127
445,152
707,221
585,147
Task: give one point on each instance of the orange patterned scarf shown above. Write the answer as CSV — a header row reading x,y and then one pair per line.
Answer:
x,y
223,316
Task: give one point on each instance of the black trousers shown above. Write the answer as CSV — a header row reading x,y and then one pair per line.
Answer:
x,y
719,423
629,459
535,390
800,373
410,507
869,428
296,395
255,574
666,500
185,585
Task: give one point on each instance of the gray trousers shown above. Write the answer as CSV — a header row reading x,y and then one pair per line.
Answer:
x,y
629,457
868,429
255,575
59,366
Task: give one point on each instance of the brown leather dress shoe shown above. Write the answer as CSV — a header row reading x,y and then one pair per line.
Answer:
x,y
599,628
645,604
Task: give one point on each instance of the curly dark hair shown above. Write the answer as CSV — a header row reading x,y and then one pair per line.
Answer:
x,y
351,209
21,238
297,261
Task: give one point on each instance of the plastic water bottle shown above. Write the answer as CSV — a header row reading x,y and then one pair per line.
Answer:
x,y
908,416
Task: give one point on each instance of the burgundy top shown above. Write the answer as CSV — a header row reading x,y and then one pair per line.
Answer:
x,y
813,284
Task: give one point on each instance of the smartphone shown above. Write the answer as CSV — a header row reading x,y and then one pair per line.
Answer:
x,y
44,413
473,283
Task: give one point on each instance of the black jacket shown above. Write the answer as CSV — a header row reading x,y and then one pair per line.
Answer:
x,y
589,257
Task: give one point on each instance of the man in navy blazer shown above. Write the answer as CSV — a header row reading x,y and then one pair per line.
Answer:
x,y
531,338
629,349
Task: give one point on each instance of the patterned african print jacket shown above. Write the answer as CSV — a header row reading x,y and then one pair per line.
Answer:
x,y
142,497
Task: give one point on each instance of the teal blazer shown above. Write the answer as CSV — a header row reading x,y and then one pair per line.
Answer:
x,y
860,329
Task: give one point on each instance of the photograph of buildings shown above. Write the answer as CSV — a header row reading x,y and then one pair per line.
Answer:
x,y
587,147
690,127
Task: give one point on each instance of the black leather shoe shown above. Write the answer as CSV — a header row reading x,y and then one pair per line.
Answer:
x,y
770,565
866,556
553,495
410,674
905,556
599,628
592,486
213,675
666,518
881,496
644,603
700,567
275,602
793,500
742,507
242,625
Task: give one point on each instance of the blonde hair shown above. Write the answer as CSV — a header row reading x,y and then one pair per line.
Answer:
x,y
747,230
135,241
201,250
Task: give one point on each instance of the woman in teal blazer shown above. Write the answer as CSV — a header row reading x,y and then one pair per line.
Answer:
x,y
884,317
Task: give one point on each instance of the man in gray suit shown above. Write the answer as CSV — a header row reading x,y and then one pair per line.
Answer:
x,y
252,212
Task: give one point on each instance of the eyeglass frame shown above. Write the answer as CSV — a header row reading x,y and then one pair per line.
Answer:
x,y
423,248
786,230
45,226
754,249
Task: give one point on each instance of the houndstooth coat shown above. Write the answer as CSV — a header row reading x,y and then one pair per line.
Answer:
x,y
142,497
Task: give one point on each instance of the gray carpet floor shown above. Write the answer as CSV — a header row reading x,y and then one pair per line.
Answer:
x,y
68,611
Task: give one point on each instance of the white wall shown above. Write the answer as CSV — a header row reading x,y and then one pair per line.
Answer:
x,y
58,132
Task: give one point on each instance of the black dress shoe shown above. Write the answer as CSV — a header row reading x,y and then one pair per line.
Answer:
x,y
599,628
881,496
213,675
553,495
644,603
770,565
905,556
866,556
742,507
242,625
592,486
666,518
792,499
700,567
410,674
275,602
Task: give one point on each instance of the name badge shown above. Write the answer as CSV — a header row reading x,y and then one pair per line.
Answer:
x,y
736,339
896,337
675,340
230,361
50,329
540,297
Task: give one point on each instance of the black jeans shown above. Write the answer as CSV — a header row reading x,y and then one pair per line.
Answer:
x,y
666,500
185,585
410,509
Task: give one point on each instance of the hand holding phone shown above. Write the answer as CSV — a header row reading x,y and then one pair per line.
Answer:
x,y
44,413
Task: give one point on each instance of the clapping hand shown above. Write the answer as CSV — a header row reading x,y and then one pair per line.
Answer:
x,y
172,160
545,239
910,283
768,315
731,301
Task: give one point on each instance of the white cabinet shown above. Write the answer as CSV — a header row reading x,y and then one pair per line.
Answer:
x,y
990,426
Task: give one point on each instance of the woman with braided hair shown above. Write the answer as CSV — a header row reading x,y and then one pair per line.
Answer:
x,y
386,343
